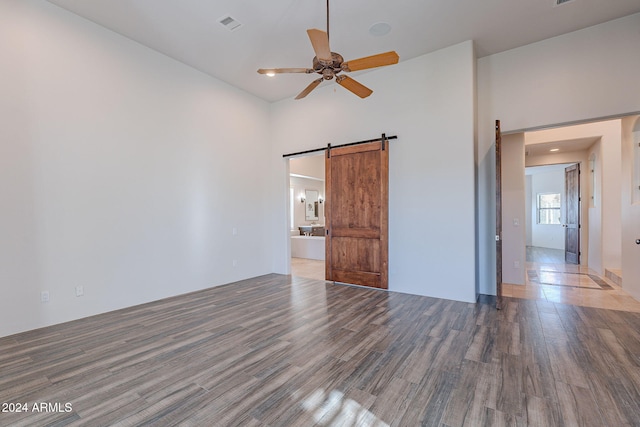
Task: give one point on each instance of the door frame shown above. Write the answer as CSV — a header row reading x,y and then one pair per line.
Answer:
x,y
561,167
503,234
287,161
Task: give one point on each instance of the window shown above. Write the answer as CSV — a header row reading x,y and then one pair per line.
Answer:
x,y
549,208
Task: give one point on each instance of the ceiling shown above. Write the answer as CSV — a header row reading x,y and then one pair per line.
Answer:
x,y
535,170
273,33
562,146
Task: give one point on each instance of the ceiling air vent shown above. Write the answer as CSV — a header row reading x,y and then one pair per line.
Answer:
x,y
231,24
561,2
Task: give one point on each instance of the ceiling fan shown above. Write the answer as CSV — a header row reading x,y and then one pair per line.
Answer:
x,y
329,64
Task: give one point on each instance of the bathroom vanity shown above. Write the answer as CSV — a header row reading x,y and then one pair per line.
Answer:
x,y
311,230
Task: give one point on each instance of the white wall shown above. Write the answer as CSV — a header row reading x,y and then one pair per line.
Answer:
x,y
310,165
428,102
630,207
586,74
513,210
120,170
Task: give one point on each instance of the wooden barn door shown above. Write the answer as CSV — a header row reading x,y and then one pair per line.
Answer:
x,y
498,216
357,193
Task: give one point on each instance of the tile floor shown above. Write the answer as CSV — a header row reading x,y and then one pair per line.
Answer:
x,y
307,268
549,279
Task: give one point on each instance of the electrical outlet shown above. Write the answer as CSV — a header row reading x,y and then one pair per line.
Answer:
x,y
516,222
234,231
79,291
235,262
516,264
44,296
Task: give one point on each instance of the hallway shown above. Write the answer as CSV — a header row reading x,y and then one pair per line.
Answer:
x,y
548,278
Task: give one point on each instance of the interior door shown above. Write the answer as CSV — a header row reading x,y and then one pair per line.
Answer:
x,y
357,193
572,214
498,216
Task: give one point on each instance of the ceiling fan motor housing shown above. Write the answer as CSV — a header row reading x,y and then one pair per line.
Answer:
x,y
328,69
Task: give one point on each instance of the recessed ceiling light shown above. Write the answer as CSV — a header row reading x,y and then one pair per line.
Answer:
x,y
380,29
553,150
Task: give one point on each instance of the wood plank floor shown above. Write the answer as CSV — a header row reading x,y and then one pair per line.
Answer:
x,y
282,351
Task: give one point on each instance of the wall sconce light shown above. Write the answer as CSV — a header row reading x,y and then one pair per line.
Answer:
x,y
320,199
302,199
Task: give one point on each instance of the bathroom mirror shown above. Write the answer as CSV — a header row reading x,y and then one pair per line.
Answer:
x,y
311,205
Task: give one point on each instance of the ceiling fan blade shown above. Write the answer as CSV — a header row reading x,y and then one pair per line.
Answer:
x,y
320,42
285,70
359,89
309,88
379,60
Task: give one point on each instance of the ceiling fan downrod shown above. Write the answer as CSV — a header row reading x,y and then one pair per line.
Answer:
x,y
328,20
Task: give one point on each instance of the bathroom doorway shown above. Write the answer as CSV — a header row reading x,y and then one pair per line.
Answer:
x,y
307,216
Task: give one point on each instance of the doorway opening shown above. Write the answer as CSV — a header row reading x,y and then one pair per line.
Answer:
x,y
306,213
548,274
353,230
552,214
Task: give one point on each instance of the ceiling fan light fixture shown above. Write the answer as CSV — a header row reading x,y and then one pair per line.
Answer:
x,y
380,29
270,73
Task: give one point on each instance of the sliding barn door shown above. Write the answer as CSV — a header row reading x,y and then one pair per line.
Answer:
x,y
357,192
498,216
